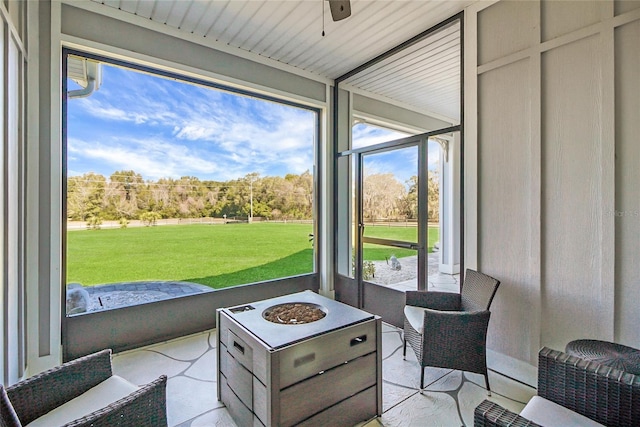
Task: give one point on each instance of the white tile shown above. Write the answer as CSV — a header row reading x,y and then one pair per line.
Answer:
x,y
143,366
469,397
391,342
213,338
450,382
393,395
421,410
188,398
443,279
192,392
389,328
216,418
406,373
188,348
205,368
505,386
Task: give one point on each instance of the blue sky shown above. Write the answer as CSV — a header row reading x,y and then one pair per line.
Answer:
x,y
403,163
163,128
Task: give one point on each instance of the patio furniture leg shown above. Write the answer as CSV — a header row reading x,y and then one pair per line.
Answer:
x,y
404,349
421,377
486,380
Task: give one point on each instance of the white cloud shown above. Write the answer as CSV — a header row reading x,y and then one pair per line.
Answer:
x,y
152,159
171,130
365,135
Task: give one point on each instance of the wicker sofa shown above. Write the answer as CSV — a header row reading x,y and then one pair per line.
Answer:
x,y
605,395
83,392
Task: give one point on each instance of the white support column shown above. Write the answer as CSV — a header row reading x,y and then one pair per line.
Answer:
x,y
450,207
324,230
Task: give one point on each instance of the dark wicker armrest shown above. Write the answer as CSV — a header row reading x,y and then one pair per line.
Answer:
x,y
44,392
489,414
146,407
606,395
434,300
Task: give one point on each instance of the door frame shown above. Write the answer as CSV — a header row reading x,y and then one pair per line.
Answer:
x,y
420,141
341,109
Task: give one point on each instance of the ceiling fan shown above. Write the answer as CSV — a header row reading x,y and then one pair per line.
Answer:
x,y
340,9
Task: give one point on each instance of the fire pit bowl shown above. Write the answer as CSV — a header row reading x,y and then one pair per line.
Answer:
x,y
294,313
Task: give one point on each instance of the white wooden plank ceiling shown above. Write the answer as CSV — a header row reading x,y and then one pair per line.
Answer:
x,y
290,32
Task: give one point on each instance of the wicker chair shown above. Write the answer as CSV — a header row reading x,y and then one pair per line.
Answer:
x,y
29,400
449,330
603,394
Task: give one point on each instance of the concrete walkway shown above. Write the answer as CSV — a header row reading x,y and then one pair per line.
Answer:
x,y
114,295
406,278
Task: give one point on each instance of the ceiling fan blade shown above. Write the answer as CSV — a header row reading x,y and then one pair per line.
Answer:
x,y
340,9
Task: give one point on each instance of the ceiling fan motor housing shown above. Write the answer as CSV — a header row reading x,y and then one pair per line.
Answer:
x,y
340,9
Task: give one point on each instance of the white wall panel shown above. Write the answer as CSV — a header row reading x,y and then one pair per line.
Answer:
x,y
562,17
506,201
627,212
623,6
574,304
504,28
576,252
3,202
12,331
13,168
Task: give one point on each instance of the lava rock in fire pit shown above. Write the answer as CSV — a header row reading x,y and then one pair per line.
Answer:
x,y
294,313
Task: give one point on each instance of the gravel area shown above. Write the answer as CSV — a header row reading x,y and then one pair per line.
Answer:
x,y
385,275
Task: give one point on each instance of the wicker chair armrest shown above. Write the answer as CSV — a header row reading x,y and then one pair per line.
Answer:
x,y
434,300
145,407
489,414
44,392
604,394
8,416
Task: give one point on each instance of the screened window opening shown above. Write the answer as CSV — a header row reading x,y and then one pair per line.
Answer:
x,y
176,186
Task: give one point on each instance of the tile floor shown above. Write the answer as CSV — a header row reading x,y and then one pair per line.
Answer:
x,y
448,400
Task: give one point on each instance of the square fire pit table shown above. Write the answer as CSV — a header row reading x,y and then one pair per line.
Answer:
x,y
300,359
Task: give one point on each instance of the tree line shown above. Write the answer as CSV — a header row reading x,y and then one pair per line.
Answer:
x,y
125,195
385,197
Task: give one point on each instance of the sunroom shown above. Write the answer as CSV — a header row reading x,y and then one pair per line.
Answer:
x,y
506,129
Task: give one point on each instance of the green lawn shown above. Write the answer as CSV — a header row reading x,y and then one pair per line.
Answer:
x,y
214,255
407,234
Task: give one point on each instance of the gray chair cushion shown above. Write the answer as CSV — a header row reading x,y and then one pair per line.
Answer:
x,y
550,414
100,396
415,316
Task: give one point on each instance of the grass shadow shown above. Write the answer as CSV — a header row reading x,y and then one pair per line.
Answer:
x,y
292,265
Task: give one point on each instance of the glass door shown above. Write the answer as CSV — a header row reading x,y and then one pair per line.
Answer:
x,y
390,244
390,222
